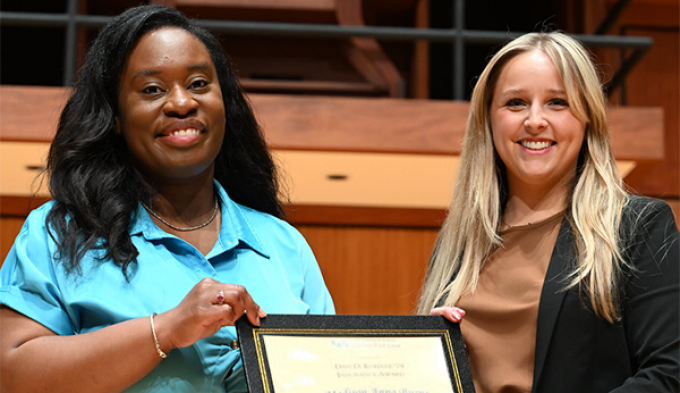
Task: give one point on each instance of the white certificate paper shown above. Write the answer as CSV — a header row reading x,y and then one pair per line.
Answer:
x,y
357,364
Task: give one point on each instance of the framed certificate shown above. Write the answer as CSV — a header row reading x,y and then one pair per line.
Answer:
x,y
354,354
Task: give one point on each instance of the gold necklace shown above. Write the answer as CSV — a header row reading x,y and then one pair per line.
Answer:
x,y
182,229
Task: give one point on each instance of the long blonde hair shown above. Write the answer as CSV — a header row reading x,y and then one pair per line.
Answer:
x,y
470,232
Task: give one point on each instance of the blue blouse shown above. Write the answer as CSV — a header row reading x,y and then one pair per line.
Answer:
x,y
266,255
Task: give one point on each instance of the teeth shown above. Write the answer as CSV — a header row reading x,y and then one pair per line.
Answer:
x,y
536,145
186,132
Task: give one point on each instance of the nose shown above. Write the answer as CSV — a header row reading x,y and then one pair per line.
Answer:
x,y
180,103
535,120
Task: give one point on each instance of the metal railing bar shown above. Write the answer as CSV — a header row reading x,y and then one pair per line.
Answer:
x,y
626,66
612,16
37,19
71,41
459,51
327,31
622,90
639,44
615,41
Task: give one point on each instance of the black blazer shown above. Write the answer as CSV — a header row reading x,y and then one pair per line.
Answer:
x,y
577,351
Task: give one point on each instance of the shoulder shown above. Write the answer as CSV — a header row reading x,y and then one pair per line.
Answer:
x,y
639,203
36,218
266,228
271,232
648,230
265,222
641,212
34,244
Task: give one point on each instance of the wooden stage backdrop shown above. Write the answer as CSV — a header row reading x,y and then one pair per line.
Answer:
x,y
368,179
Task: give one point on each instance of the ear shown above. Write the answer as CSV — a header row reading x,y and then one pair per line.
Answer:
x,y
116,126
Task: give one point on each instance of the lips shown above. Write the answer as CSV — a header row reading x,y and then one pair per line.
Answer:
x,y
182,134
183,128
536,145
187,132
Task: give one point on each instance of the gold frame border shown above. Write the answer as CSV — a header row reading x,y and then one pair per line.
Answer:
x,y
352,332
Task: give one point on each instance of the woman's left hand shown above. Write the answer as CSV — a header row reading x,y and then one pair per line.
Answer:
x,y
453,314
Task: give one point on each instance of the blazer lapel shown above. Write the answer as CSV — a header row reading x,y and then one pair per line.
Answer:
x,y
552,295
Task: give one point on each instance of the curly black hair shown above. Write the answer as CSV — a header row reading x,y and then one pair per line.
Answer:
x,y
95,187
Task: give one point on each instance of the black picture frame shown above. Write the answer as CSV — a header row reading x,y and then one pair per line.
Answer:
x,y
254,351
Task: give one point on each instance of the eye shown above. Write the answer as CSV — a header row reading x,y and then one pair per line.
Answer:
x,y
199,84
515,103
559,102
152,90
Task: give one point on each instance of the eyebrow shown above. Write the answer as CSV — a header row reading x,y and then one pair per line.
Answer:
x,y
515,91
145,73
199,66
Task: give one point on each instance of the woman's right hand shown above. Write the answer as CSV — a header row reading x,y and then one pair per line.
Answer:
x,y
453,314
209,306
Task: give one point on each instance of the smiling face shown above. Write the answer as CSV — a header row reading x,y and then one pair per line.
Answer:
x,y
171,113
534,131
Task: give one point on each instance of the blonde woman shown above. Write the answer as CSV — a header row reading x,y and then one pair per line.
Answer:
x,y
561,280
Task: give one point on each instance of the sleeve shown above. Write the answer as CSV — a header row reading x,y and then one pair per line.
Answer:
x,y
28,283
652,301
315,293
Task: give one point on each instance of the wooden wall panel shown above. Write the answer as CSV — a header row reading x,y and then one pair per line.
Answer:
x,y
675,206
321,123
656,82
376,270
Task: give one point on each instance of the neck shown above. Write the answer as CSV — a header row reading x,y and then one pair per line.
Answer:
x,y
532,204
186,204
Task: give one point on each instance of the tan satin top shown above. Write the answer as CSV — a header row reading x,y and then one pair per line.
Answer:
x,y
500,325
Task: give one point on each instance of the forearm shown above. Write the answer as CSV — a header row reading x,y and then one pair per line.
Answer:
x,y
35,359
108,360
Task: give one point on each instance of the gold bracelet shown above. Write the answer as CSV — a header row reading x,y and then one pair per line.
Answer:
x,y
162,354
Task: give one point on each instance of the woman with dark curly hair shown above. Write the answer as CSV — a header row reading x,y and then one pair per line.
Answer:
x,y
166,208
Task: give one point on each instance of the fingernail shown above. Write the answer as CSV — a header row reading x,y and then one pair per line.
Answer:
x,y
455,315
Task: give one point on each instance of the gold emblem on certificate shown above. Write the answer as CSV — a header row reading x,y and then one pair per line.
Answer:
x,y
354,354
